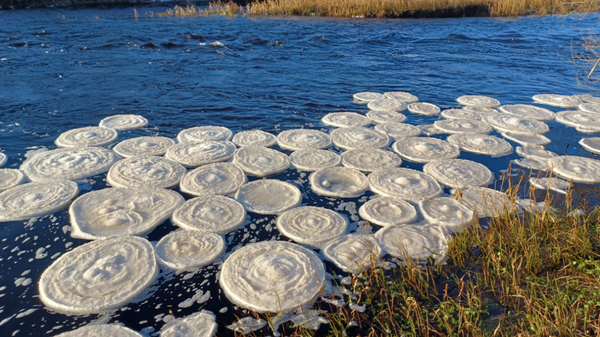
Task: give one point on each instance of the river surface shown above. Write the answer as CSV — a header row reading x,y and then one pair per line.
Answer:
x,y
67,68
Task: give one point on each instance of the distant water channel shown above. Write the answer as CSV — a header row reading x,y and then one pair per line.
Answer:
x,y
62,69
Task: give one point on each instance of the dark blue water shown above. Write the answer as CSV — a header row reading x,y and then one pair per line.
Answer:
x,y
61,69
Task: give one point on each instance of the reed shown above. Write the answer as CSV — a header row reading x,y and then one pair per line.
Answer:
x,y
214,8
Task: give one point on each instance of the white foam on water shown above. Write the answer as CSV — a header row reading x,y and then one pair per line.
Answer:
x,y
460,114
248,324
10,178
98,276
345,119
143,146
477,100
486,201
218,178
189,249
527,140
404,183
353,253
300,139
398,130
446,212
198,154
36,199
401,96
388,211
200,134
101,330
90,136
579,119
124,122
425,149
351,138
272,276
369,160
532,163
268,196
535,152
481,144
415,242
254,138
211,213
459,172
528,111
200,324
367,96
311,225
260,161
462,126
121,211
590,144
562,101
578,169
516,124
313,159
426,109
550,183
379,117
145,172
3,159
338,182
387,105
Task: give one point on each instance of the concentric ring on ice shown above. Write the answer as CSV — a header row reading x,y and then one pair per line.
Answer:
x,y
200,134
398,130
425,149
345,119
254,138
459,172
516,124
527,140
476,100
387,104
368,160
218,178
312,159
200,324
300,139
404,183
185,249
210,213
590,107
353,253
367,96
460,114
98,276
272,276
481,144
36,199
418,243
359,138
261,161
143,146
426,109
101,330
386,117
311,225
528,111
579,119
90,136
145,172
447,212
562,101
10,178
198,154
462,126
535,152
578,169
338,182
401,96
124,122
268,196
388,211
486,201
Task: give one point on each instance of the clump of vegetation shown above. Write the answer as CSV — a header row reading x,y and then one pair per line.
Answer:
x,y
214,8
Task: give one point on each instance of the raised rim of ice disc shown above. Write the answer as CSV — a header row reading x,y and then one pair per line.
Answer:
x,y
425,149
198,154
579,119
209,213
590,107
387,105
189,249
101,330
481,144
200,134
463,126
313,159
369,160
404,183
401,96
351,138
10,178
447,212
591,144
459,172
562,101
345,119
216,179
417,243
124,122
578,169
516,124
422,108
143,146
260,161
300,139
527,140
528,111
388,211
352,252
145,172
398,130
254,138
268,196
90,136
367,96
3,159
338,182
478,100
311,225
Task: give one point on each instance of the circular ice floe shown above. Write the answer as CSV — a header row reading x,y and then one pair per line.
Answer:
x,y
197,154
387,105
590,107
101,330
481,144
359,138
404,183
312,159
590,144
218,178
486,201
200,134
368,160
69,164
580,119
476,100
462,126
36,199
184,250
300,139
200,324
426,109
353,253
10,178
387,211
272,276
3,159
401,96
210,213
311,225
338,182
98,276
121,211
143,146
459,172
425,149
550,183
261,161
89,136
447,212
417,243
480,109
345,119
145,172
460,114
430,130
398,130
578,169
588,98
386,117
367,96
562,101
254,138
532,163
516,124
124,122
535,152
527,140
528,111
268,196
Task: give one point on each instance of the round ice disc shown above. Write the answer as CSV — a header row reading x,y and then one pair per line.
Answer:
x,y
587,130
300,139
590,144
387,105
486,201
426,109
198,154
516,124
200,134
460,114
3,159
430,130
581,119
98,276
401,96
145,172
272,276
562,101
481,144
101,330
312,159
367,96
578,169
121,211
36,199
398,130
254,138
476,100
311,225
200,324
459,173
261,161
388,211
550,183
345,119
218,178
447,212
369,160
417,243
590,107
535,152
532,163
338,182
124,122
528,111
425,149
69,163
89,136
404,183
268,196
210,213
462,126
588,98
353,253
359,138
386,117
480,109
10,178
527,140
184,250
143,146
